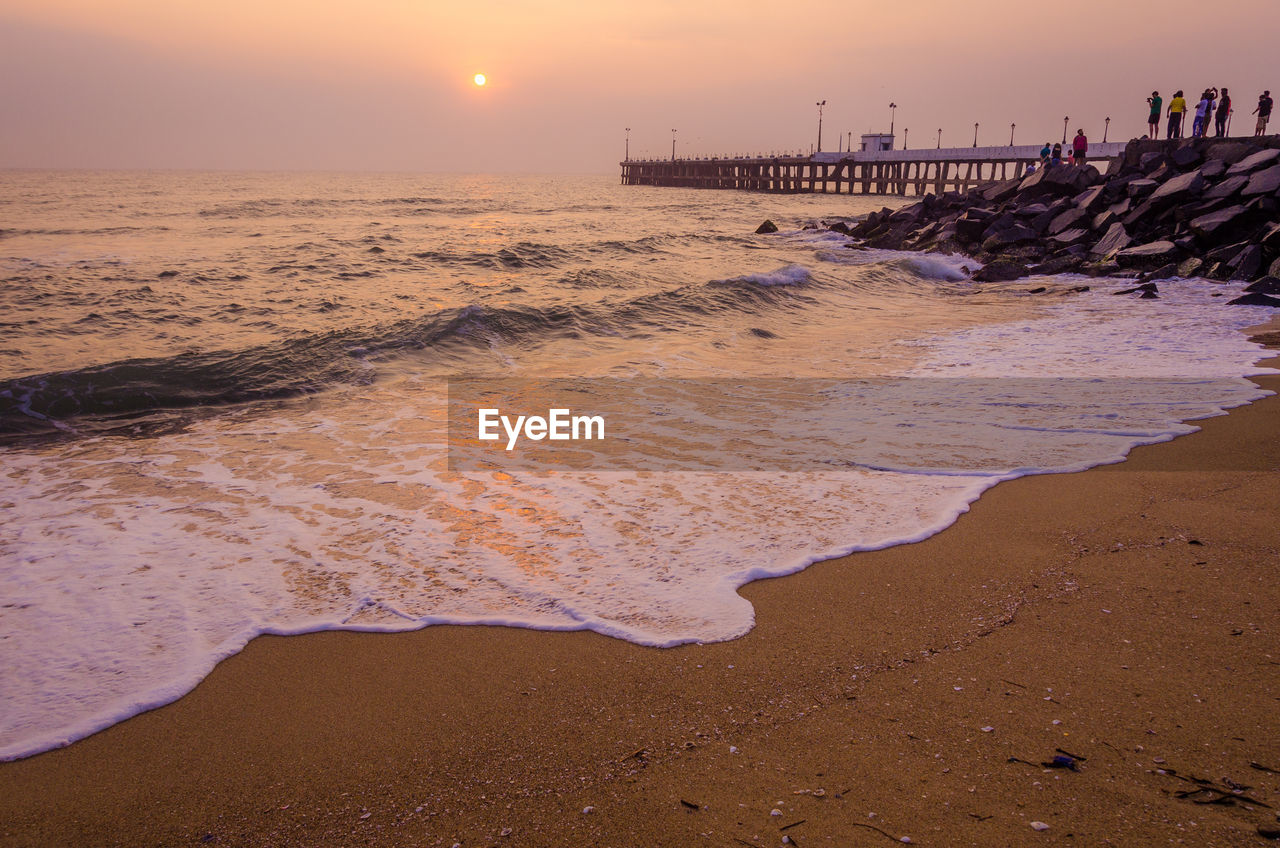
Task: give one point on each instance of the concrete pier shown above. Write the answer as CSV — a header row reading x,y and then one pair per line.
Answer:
x,y
898,172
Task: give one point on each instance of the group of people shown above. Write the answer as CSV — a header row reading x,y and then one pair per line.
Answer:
x,y
1078,154
1213,106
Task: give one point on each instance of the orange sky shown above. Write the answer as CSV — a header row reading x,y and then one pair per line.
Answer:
x,y
386,84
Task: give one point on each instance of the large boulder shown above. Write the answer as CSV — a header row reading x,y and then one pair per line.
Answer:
x,y
1206,226
1114,240
1179,189
1212,169
1016,234
1067,238
1000,271
1141,188
1230,152
1186,155
1263,182
1255,299
1067,220
1246,265
1228,187
1266,285
770,227
1152,255
1092,200
1249,164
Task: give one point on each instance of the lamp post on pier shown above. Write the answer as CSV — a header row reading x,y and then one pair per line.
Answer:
x,y
975,133
893,113
1012,127
1106,129
673,145
627,155
820,104
1065,121
905,131
939,138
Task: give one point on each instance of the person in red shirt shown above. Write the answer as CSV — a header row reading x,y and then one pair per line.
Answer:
x,y
1080,147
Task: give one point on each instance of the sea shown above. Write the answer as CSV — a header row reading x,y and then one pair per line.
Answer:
x,y
225,409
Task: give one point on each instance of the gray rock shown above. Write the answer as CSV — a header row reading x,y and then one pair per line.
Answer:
x,y
1180,188
1274,270
1230,152
1141,188
1266,285
1213,168
1255,299
1270,238
1226,188
1057,265
1103,220
1190,267
1069,237
1115,240
970,229
1067,220
1149,291
1246,264
1207,225
1151,255
1186,156
1000,271
1009,236
1092,200
1151,160
1249,164
1263,182
767,227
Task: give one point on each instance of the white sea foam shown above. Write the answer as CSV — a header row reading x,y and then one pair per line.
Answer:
x,y
131,567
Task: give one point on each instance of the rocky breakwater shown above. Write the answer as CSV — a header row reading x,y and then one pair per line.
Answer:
x,y
1207,208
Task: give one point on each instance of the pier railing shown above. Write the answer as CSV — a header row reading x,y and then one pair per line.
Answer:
x,y
898,172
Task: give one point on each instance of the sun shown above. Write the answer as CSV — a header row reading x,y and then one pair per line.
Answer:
x,y
480,79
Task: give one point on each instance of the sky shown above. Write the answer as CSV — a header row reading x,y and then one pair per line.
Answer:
x,y
386,85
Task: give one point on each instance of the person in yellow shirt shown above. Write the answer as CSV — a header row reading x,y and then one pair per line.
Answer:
x,y
1177,109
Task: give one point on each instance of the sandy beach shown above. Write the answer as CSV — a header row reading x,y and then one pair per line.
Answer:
x,y
1127,617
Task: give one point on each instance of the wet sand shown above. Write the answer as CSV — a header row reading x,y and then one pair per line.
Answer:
x,y
1128,616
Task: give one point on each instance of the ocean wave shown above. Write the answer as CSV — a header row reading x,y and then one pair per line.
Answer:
x,y
103,395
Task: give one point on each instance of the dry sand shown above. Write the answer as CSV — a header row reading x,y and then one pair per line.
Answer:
x,y
1129,615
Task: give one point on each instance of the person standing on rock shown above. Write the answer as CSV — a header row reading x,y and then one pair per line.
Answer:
x,y
1202,114
1263,112
1055,158
1153,119
1080,148
1223,113
1044,154
1177,109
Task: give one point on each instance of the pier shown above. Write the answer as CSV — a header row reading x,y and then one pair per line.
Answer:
x,y
898,172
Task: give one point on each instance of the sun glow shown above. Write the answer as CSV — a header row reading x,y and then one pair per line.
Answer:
x,y
480,79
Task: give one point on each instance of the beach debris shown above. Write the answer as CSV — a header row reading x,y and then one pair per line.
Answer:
x,y
1039,826
690,805
1261,767
793,824
733,749
988,729
903,839
1269,832
767,227
775,812
1207,792
506,831
588,810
